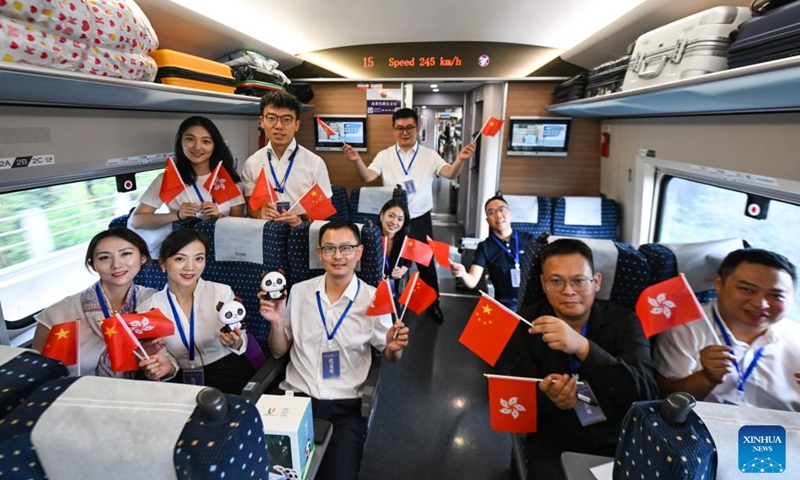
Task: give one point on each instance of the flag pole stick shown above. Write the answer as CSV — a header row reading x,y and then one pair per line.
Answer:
x,y
385,242
700,307
523,379
214,174
301,196
410,292
401,252
271,197
506,308
78,343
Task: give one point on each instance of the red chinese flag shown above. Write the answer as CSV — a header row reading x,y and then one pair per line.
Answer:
x,y
418,295
171,182
221,186
441,251
492,126
489,329
121,343
416,251
150,324
666,305
325,127
62,343
316,204
512,404
263,193
382,303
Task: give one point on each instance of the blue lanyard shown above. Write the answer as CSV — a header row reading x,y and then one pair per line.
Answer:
x,y
513,254
280,187
406,170
574,363
344,314
103,307
190,344
756,357
197,191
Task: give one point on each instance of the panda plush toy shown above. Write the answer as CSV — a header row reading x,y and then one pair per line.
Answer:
x,y
274,284
230,314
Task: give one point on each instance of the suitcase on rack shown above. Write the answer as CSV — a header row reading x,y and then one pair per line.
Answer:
x,y
607,78
246,73
771,36
254,88
572,89
184,70
690,47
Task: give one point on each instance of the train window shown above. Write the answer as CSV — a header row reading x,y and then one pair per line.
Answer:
x,y
691,211
44,233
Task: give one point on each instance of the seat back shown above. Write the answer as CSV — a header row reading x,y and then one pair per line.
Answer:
x,y
340,202
625,271
531,214
366,202
698,261
245,277
299,250
23,371
586,217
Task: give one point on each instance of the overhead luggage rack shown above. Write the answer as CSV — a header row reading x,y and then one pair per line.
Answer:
x,y
26,85
765,87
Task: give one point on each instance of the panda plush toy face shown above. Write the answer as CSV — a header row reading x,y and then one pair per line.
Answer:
x,y
231,314
274,284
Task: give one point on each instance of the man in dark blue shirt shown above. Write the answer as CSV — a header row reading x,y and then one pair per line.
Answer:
x,y
500,253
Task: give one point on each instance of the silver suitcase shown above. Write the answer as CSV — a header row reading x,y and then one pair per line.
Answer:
x,y
690,47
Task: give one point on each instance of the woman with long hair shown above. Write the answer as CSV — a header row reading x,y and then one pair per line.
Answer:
x,y
394,220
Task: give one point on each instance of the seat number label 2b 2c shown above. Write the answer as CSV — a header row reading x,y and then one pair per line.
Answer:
x,y
29,161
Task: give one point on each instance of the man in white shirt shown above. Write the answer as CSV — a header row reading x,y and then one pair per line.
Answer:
x,y
757,359
329,337
414,167
290,168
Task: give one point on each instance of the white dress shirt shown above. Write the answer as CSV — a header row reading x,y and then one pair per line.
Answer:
x,y
307,169
772,383
352,340
425,168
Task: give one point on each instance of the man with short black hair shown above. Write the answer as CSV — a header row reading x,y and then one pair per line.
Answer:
x,y
409,164
290,168
758,359
330,344
593,357
499,253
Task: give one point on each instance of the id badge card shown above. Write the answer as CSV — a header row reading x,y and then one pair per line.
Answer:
x,y
282,206
410,187
587,408
330,364
515,277
194,376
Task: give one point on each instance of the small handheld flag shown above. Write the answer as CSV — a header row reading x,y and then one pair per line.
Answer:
x,y
221,185
382,303
441,251
263,193
489,329
171,183
316,204
62,343
121,344
490,128
328,130
512,404
416,251
668,304
150,324
418,295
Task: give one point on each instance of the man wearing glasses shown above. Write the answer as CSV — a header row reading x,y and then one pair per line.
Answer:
x,y
499,253
414,167
290,168
593,357
328,336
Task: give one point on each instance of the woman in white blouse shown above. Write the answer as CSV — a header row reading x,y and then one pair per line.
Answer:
x,y
204,354
199,147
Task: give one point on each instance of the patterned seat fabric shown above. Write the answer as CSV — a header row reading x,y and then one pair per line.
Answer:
x,y
359,217
340,202
700,266
631,277
298,251
245,277
544,224
23,374
608,229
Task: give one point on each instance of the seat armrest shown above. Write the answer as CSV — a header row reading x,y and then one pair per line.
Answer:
x,y
265,376
369,397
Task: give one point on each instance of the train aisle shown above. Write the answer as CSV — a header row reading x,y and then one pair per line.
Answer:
x,y
432,419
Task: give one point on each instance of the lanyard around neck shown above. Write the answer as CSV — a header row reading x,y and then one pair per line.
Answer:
x,y
190,344
281,186
99,292
743,376
402,165
344,314
512,253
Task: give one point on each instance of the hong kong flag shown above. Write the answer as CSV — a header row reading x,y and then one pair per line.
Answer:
x,y
416,251
150,324
221,186
512,404
121,344
171,183
316,204
666,305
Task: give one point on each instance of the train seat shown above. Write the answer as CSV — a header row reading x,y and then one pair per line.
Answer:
x,y
366,202
22,371
340,202
531,214
586,217
698,261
